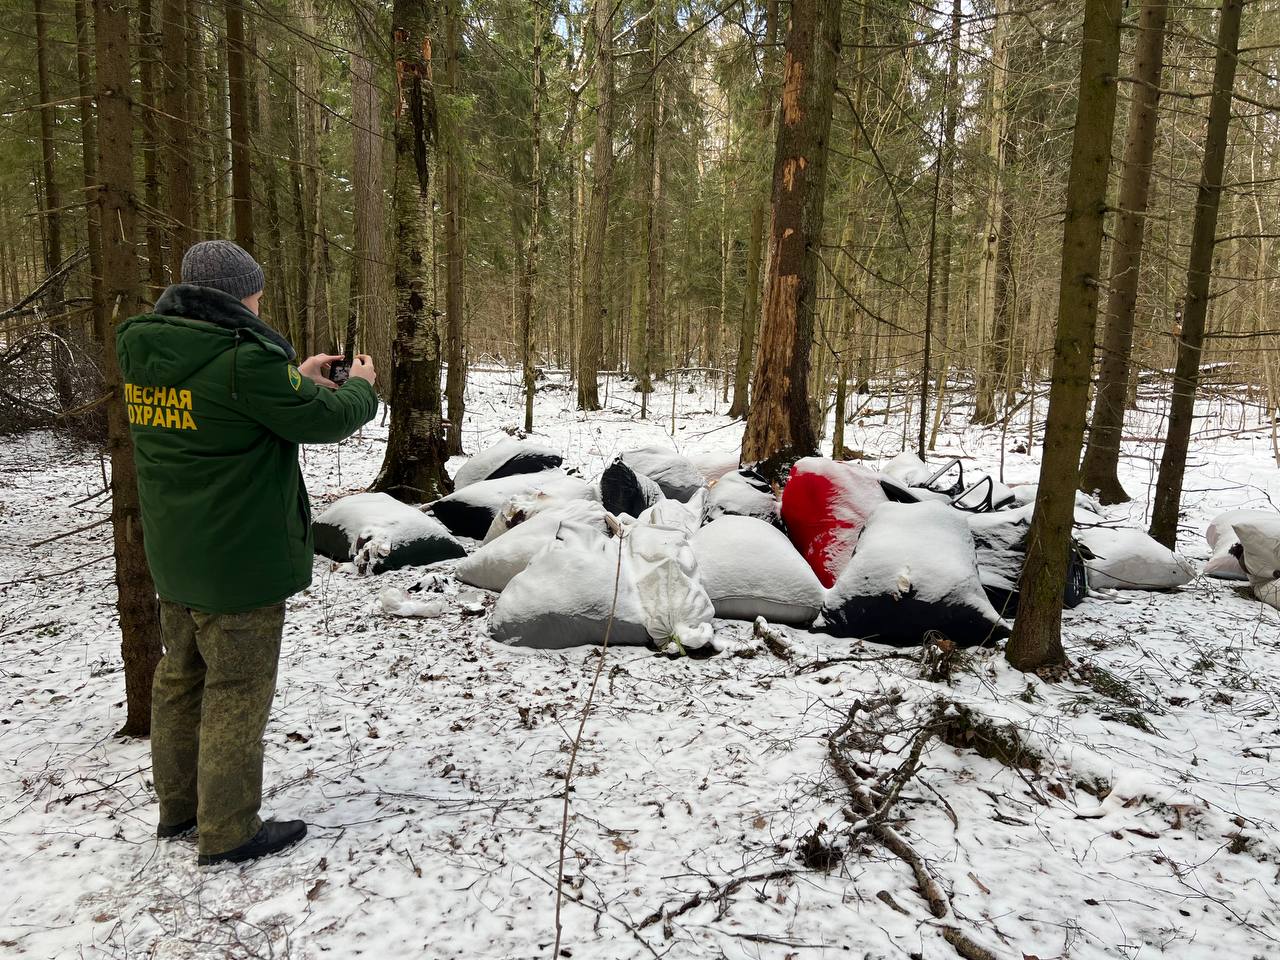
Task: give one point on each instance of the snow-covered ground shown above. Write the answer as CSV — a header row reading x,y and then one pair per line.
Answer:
x,y
429,759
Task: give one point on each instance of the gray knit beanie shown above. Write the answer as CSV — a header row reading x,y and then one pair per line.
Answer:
x,y
223,265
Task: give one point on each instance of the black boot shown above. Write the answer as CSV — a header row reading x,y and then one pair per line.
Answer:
x,y
275,835
177,831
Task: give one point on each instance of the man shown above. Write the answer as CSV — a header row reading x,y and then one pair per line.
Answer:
x,y
217,410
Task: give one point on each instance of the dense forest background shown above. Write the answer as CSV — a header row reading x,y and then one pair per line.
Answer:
x,y
307,89
805,203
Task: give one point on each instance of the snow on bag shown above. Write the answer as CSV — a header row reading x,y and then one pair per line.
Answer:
x,y
507,458
750,569
685,517
624,491
1220,536
377,532
824,505
908,469
743,493
492,565
1260,556
564,596
676,476
524,507
1128,559
469,512
915,570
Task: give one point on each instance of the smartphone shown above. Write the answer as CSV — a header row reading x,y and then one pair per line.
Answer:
x,y
340,371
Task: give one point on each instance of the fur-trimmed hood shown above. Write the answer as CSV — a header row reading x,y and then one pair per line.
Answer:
x,y
216,307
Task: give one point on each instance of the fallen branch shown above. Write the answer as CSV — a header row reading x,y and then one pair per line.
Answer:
x,y
71,533
720,893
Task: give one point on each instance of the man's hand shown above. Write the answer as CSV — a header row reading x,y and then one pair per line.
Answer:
x,y
313,369
362,368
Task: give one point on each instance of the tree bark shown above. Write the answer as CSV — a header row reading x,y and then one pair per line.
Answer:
x,y
1037,633
89,148
778,421
238,95
413,470
1190,342
529,280
151,132
370,303
135,592
946,199
180,199
54,300
454,288
990,343
593,260
755,242
1098,472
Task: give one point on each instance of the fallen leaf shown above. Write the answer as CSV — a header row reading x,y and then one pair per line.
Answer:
x,y
620,845
316,888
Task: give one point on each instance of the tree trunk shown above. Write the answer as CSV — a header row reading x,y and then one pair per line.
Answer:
x,y
1190,342
594,282
778,421
990,344
180,198
454,289
755,241
947,201
54,299
317,264
1098,472
89,147
529,279
135,593
1037,633
151,132
370,303
650,170
238,90
413,470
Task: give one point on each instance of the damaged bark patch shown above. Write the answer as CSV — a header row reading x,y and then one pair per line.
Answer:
x,y
792,82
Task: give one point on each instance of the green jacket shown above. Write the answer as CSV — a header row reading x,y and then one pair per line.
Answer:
x,y
217,410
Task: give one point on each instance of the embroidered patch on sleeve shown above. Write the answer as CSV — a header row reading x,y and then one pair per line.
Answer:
x,y
295,377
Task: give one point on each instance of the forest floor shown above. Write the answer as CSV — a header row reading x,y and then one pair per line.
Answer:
x,y
428,759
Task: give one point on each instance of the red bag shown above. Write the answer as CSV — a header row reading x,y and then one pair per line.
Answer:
x,y
824,505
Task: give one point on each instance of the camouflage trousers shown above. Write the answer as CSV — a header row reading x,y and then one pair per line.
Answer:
x,y
210,700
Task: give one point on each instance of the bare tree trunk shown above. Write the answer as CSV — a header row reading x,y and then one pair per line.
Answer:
x,y
529,280
947,202
371,303
1037,633
594,281
1186,377
989,343
135,593
755,241
148,53
179,141
454,289
1098,472
54,301
779,421
414,466
317,268
89,147
238,90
